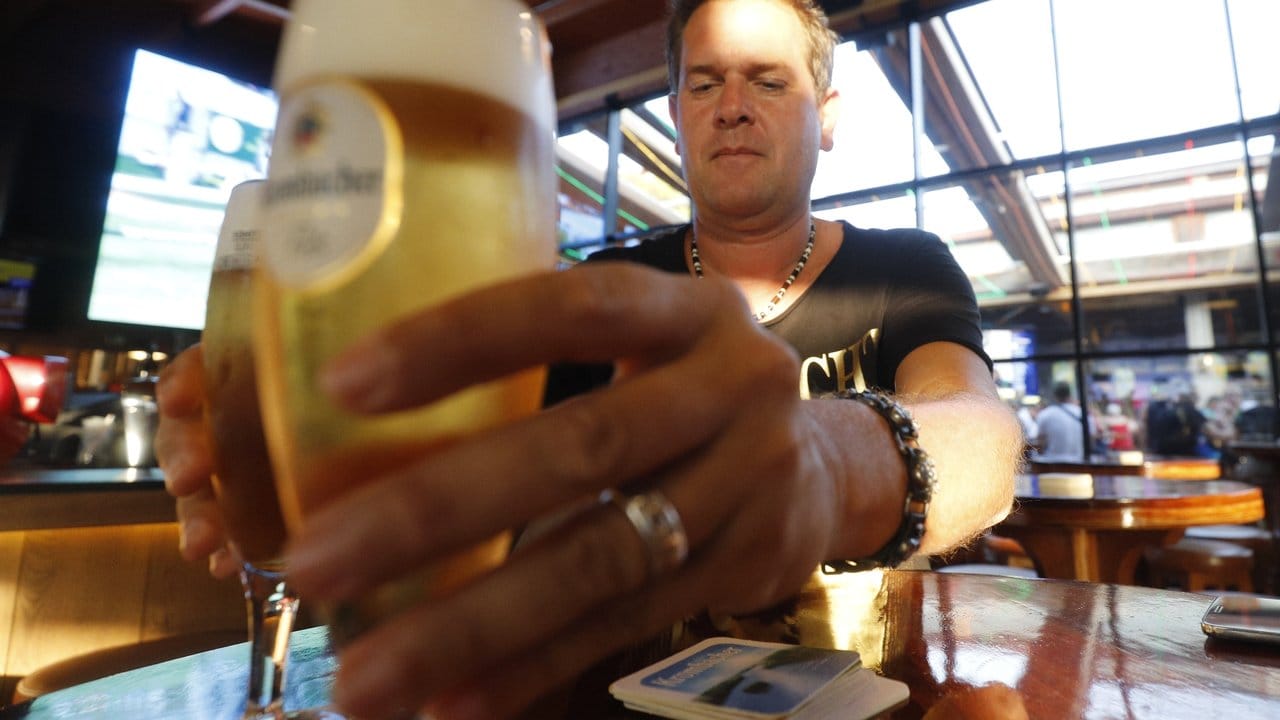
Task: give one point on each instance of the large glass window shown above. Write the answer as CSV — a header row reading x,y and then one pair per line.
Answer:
x,y
872,146
874,211
581,157
1013,111
1103,171
650,190
1001,228
1263,153
1178,405
1141,68
1171,233
1005,229
1253,29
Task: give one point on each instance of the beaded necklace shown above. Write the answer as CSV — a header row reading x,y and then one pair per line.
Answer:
x,y
786,284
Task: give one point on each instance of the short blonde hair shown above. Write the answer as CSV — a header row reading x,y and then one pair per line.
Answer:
x,y
822,39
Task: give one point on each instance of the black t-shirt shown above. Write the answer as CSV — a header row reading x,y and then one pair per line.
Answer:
x,y
884,294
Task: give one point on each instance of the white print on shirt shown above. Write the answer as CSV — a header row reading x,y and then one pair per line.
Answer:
x,y
844,365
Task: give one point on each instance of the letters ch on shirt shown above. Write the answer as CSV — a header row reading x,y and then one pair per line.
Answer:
x,y
843,367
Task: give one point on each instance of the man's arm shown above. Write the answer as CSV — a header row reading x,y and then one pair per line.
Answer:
x,y
972,437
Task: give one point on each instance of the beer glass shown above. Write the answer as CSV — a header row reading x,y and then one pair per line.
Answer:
x,y
242,477
412,161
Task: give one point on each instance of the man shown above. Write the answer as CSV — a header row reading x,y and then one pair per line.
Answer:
x,y
702,406
1060,439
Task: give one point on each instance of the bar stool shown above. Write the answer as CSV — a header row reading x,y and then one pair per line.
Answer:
x,y
990,554
990,569
1195,565
1253,537
110,661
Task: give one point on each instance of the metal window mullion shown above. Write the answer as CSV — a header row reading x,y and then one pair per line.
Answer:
x,y
613,133
1077,312
917,117
1262,285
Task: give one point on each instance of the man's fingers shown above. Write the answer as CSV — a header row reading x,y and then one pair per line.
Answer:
x,y
599,313
594,566
395,669
181,442
200,529
507,478
180,390
223,563
182,447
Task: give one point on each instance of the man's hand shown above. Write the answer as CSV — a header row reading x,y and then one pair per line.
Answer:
x,y
182,447
704,407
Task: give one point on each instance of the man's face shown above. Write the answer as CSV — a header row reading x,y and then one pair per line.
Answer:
x,y
749,121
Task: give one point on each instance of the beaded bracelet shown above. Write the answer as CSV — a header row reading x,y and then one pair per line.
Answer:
x,y
920,480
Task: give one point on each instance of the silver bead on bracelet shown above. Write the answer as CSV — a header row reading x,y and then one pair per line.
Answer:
x,y
920,480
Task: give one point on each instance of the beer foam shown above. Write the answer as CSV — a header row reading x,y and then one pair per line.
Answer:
x,y
491,47
237,247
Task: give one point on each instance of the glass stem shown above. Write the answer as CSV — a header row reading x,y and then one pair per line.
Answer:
x,y
272,609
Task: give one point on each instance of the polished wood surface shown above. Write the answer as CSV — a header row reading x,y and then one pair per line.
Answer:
x,y
1062,649
1072,650
1184,469
1096,530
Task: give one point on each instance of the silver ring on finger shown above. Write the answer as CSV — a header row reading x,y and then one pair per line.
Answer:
x,y
658,524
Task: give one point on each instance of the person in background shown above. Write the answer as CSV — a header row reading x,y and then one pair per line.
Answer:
x,y
717,395
1220,422
1255,415
1026,415
1119,428
1060,438
1175,428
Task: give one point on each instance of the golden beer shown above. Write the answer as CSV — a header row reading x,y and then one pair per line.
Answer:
x,y
242,479
413,161
243,483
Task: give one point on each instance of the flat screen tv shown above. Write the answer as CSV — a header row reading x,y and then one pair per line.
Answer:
x,y
188,136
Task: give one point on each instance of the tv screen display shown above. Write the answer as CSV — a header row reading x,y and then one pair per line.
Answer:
x,y
188,136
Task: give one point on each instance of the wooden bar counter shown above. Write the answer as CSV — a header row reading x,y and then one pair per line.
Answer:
x,y
43,499
1040,649
89,559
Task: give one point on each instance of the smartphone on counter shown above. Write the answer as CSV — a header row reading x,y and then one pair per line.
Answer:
x,y
1233,617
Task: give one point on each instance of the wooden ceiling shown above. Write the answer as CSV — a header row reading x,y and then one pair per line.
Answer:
x,y
605,52
600,47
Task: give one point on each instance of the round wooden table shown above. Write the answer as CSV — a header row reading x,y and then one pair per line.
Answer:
x,y
1015,647
1165,468
1096,530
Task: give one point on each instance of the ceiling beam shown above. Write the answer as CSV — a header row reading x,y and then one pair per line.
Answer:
x,y
208,12
961,129
620,69
553,12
